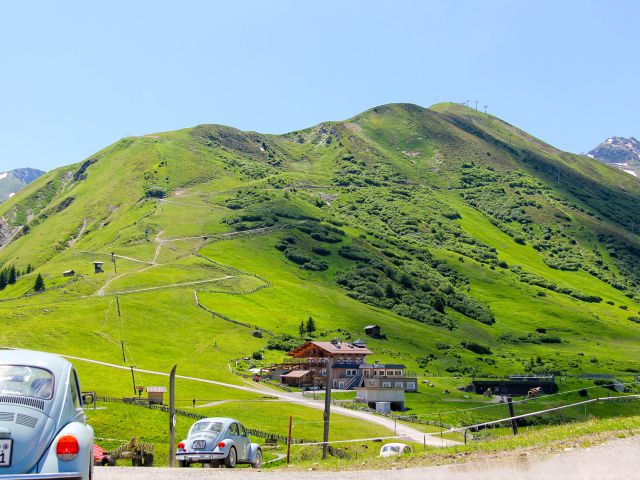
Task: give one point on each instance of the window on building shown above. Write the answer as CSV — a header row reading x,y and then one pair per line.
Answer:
x,y
411,385
399,385
386,384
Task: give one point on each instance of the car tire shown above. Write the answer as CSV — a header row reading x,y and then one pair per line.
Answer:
x,y
183,463
257,462
147,460
231,459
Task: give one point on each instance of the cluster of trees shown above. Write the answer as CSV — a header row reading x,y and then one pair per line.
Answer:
x,y
9,275
308,327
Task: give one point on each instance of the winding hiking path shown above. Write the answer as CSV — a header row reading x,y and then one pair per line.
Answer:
x,y
402,430
172,285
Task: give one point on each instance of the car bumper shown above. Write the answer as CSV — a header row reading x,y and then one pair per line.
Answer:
x,y
43,476
200,456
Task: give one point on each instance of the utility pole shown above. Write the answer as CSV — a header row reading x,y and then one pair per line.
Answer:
x,y
133,377
466,103
172,416
514,423
485,109
118,305
124,359
289,439
476,105
327,412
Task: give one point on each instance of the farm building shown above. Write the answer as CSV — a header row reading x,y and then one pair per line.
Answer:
x,y
307,367
372,331
68,273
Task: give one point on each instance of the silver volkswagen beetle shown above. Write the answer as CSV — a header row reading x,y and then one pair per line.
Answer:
x,y
43,428
216,441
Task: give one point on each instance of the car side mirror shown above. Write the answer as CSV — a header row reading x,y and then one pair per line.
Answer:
x,y
88,398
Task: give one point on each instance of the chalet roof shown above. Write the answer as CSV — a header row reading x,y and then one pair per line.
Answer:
x,y
341,348
297,374
371,326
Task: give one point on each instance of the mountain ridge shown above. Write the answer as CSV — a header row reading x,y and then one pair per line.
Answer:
x,y
442,225
14,180
622,153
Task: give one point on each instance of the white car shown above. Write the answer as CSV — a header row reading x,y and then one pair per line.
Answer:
x,y
43,428
391,449
216,441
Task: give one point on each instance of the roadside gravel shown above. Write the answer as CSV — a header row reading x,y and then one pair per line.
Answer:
x,y
618,459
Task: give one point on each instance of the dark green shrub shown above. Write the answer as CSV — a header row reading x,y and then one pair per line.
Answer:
x,y
321,251
476,347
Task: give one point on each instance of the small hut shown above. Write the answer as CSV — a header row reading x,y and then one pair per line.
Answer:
x,y
372,331
68,273
155,395
97,267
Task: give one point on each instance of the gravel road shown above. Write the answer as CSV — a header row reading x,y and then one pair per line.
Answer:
x,y
618,459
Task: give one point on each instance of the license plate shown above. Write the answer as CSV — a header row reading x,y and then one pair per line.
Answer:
x,y
198,444
5,452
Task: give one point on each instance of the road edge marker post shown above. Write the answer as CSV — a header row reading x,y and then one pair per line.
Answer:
x,y
172,417
289,440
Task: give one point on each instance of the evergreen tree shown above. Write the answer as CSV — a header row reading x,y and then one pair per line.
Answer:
x,y
29,268
3,279
301,329
389,291
311,325
13,275
39,285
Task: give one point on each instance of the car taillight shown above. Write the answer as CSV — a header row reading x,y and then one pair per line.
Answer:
x,y
68,447
221,445
181,446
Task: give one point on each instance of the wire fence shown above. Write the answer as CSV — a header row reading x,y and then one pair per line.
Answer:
x,y
270,437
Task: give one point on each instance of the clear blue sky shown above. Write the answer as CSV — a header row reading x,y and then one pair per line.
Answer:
x,y
77,76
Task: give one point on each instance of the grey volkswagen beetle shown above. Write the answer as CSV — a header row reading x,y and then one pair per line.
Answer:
x,y
43,428
216,441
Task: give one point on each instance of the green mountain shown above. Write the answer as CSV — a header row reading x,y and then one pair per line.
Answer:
x,y
14,180
475,246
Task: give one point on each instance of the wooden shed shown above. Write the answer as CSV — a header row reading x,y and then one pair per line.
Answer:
x,y
372,331
298,378
155,395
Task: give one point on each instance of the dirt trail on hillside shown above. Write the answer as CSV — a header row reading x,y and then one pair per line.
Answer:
x,y
616,460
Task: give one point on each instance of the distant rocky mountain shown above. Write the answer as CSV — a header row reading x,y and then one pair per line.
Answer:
x,y
620,152
13,181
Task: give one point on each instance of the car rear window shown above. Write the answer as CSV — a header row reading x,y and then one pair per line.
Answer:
x,y
209,427
26,381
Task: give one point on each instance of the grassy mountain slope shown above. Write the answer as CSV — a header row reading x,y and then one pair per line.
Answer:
x,y
456,232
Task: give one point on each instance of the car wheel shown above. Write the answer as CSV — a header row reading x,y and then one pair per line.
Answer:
x,y
147,460
183,463
257,462
232,458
